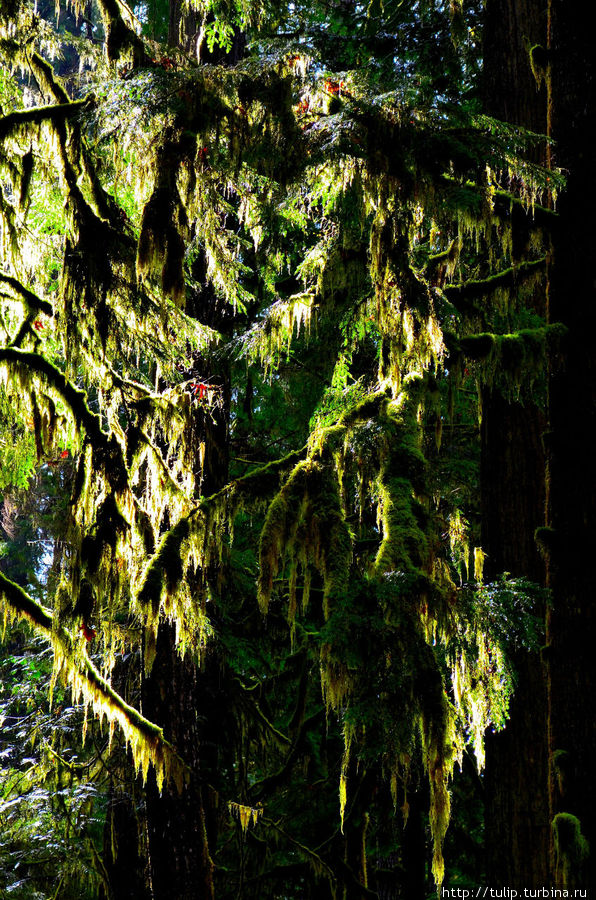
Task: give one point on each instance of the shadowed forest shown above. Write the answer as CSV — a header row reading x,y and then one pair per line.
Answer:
x,y
297,495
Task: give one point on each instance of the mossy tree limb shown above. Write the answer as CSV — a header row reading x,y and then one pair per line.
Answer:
x,y
507,278
75,398
32,302
146,739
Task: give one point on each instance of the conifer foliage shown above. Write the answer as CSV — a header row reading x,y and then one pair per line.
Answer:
x,y
249,286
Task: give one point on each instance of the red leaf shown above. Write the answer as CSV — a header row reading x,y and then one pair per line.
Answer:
x,y
88,632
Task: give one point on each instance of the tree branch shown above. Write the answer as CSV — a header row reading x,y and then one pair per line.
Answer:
x,y
508,278
146,739
32,302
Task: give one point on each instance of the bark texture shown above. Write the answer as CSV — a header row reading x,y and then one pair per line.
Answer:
x,y
513,497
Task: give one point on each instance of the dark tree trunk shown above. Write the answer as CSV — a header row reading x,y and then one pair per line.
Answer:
x,y
179,859
571,625
185,697
511,29
415,848
513,497
516,795
123,857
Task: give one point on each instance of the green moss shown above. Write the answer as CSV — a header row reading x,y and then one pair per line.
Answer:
x,y
539,58
165,569
305,523
161,247
510,278
477,346
571,849
513,361
146,739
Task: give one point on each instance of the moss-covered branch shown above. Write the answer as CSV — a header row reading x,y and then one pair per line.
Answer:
x,y
508,278
146,739
32,302
166,563
44,75
511,351
75,398
37,115
472,197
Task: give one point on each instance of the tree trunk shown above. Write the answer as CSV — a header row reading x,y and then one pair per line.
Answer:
x,y
516,796
571,624
123,857
513,496
180,863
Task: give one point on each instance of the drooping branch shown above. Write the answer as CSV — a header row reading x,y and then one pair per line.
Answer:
x,y
32,302
37,115
508,278
166,562
146,739
75,398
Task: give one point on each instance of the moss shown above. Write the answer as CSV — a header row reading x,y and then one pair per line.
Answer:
x,y
121,38
513,360
21,119
563,767
145,738
305,522
281,522
161,246
75,398
44,75
108,527
539,58
477,346
509,278
571,849
165,569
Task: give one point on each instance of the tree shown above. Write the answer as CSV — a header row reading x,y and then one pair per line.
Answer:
x,y
570,501
513,500
268,302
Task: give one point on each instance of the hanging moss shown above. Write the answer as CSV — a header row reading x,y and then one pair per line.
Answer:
x,y
310,497
146,739
221,144
547,539
161,246
73,396
510,278
571,849
108,527
121,37
513,358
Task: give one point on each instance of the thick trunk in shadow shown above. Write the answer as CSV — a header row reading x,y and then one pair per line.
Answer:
x,y
516,775
571,625
516,759
124,857
513,497
179,859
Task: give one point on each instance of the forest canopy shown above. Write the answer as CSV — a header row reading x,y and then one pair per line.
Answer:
x,y
268,273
